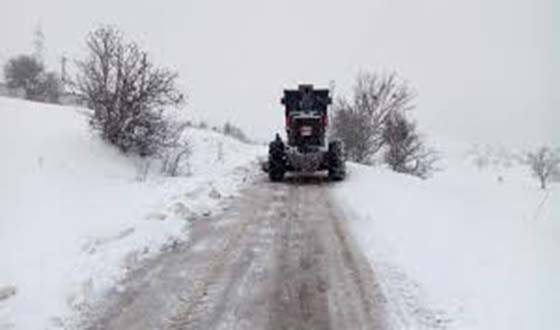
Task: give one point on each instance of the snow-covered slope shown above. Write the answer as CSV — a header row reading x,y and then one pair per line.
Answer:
x,y
73,211
472,248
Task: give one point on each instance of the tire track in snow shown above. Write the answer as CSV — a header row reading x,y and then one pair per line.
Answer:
x,y
279,258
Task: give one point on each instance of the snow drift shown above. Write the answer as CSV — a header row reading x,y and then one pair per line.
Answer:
x,y
472,248
74,214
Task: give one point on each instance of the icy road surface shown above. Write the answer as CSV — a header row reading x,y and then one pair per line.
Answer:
x,y
279,258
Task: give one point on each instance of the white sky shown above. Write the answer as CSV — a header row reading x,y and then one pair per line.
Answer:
x,y
485,70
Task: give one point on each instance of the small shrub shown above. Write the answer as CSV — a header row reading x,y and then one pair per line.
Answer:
x,y
544,164
406,152
235,132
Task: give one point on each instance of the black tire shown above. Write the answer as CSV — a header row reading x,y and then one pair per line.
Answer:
x,y
336,161
276,161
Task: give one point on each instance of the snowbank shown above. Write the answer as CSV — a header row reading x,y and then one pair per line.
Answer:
x,y
468,249
73,212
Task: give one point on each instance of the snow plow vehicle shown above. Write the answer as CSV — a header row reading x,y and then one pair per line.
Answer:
x,y
307,149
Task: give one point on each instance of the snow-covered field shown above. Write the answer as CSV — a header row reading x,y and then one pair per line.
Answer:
x,y
472,248
74,212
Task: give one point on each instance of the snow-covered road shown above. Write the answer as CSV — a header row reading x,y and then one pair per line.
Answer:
x,y
279,258
83,225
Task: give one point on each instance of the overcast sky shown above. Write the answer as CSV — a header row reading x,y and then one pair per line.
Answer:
x,y
484,70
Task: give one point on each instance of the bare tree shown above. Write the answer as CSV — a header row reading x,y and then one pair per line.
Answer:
x,y
353,127
176,153
127,92
406,151
544,163
359,123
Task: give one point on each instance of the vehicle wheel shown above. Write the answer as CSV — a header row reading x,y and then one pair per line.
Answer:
x,y
336,161
276,161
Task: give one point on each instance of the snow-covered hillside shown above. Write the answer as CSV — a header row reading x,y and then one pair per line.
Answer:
x,y
475,247
74,212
